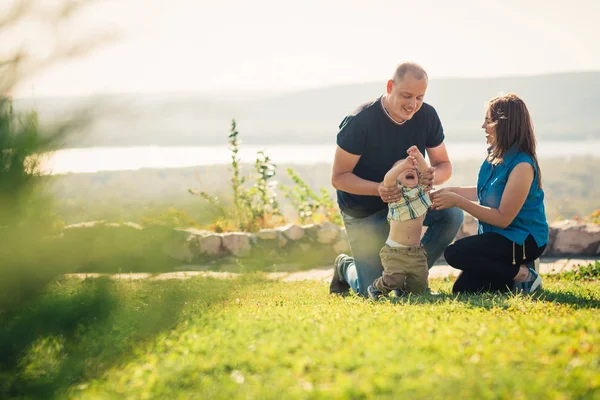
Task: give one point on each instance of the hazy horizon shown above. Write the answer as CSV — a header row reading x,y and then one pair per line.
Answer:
x,y
251,94
235,46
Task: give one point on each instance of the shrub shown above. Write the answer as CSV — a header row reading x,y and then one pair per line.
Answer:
x,y
309,206
254,205
590,272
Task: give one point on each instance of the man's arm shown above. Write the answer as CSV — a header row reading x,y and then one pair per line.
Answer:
x,y
342,177
440,162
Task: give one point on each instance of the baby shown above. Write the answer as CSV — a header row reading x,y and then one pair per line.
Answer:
x,y
403,257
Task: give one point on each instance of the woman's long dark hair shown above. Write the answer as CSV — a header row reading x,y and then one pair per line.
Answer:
x,y
511,119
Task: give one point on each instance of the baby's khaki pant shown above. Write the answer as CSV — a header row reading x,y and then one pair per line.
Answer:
x,y
404,268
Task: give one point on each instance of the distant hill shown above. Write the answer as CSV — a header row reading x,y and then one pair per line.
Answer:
x,y
564,106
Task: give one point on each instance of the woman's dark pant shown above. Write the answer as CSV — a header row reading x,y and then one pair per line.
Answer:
x,y
486,262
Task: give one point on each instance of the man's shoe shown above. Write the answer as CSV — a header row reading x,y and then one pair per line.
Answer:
x,y
338,285
374,294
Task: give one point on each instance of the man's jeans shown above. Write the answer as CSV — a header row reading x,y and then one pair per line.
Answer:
x,y
368,235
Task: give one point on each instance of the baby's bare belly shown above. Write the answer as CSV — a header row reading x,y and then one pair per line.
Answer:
x,y
407,233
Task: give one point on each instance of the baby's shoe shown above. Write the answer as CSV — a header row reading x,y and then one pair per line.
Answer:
x,y
374,294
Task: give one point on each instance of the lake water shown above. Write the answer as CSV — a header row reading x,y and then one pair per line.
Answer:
x,y
132,158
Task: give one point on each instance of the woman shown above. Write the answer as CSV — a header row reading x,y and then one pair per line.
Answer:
x,y
513,230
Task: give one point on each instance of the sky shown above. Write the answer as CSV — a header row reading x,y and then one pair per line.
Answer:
x,y
236,46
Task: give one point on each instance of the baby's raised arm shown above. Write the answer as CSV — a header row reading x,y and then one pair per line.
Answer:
x,y
421,163
392,175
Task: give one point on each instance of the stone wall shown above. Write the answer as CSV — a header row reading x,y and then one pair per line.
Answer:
x,y
568,238
310,244
314,243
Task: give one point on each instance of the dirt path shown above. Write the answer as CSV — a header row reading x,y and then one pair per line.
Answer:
x,y
547,266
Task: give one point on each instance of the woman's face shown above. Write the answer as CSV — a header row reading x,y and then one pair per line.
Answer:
x,y
490,130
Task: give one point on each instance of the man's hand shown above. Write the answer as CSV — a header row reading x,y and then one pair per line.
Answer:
x,y
427,178
389,194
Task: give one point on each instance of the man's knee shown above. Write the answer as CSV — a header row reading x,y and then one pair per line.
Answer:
x,y
455,217
447,222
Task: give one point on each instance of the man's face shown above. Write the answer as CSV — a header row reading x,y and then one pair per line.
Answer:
x,y
405,97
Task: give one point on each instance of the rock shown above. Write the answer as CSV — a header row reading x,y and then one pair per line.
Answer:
x,y
267,234
128,225
469,227
304,247
311,230
209,245
89,224
549,251
341,246
282,240
133,225
196,232
237,243
292,232
272,234
343,234
198,242
328,232
178,246
576,237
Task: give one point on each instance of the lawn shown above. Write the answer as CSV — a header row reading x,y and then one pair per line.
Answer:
x,y
253,338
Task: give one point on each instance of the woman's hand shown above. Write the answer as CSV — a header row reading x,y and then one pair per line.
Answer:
x,y
389,194
444,198
440,191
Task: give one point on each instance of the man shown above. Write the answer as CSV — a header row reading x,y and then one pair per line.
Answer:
x,y
369,142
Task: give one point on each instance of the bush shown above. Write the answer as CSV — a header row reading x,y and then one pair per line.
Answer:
x,y
590,272
309,206
595,217
255,206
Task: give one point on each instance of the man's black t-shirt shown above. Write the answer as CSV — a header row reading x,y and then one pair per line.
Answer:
x,y
370,133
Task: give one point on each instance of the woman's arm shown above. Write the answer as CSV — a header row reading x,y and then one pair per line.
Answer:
x,y
513,198
468,192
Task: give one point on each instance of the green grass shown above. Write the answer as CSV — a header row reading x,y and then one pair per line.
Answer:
x,y
252,338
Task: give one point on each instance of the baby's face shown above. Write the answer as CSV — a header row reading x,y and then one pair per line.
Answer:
x,y
409,178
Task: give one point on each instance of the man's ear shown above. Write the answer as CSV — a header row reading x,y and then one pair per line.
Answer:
x,y
389,86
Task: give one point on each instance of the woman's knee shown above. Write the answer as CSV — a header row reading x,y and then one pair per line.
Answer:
x,y
452,253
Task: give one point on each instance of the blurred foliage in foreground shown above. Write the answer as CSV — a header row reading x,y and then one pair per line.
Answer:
x,y
255,338
27,221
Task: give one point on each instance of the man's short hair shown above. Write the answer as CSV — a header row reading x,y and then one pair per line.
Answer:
x,y
415,70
